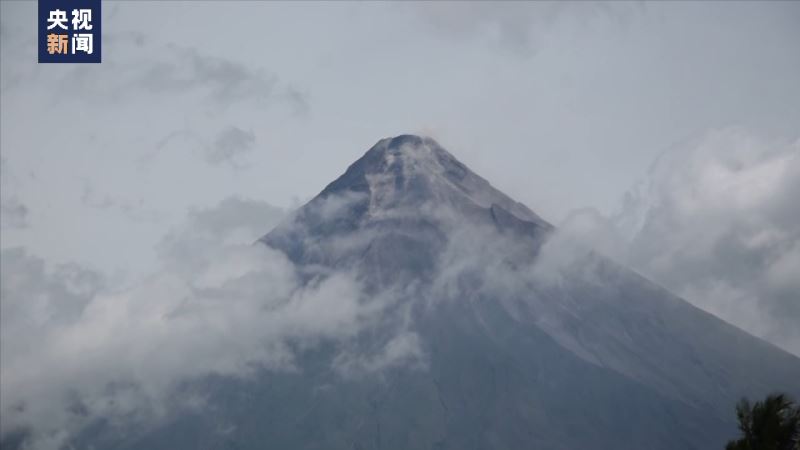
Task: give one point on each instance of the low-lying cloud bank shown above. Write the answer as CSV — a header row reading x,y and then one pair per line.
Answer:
x,y
76,348
717,222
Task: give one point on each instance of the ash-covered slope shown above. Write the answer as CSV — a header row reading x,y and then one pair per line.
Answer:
x,y
493,334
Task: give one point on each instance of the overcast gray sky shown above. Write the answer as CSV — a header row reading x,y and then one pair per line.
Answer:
x,y
563,106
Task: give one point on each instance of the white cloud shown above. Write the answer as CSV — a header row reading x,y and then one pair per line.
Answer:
x,y
75,348
403,349
717,222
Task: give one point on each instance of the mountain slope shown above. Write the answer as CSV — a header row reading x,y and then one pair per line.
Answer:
x,y
493,334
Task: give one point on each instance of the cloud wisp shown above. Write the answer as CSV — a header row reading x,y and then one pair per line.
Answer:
x,y
518,26
13,213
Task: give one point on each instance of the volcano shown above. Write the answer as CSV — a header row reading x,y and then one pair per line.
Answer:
x,y
495,332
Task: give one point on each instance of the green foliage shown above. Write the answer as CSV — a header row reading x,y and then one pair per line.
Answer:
x,y
771,424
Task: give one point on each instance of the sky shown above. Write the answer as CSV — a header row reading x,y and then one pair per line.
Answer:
x,y
562,106
666,134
